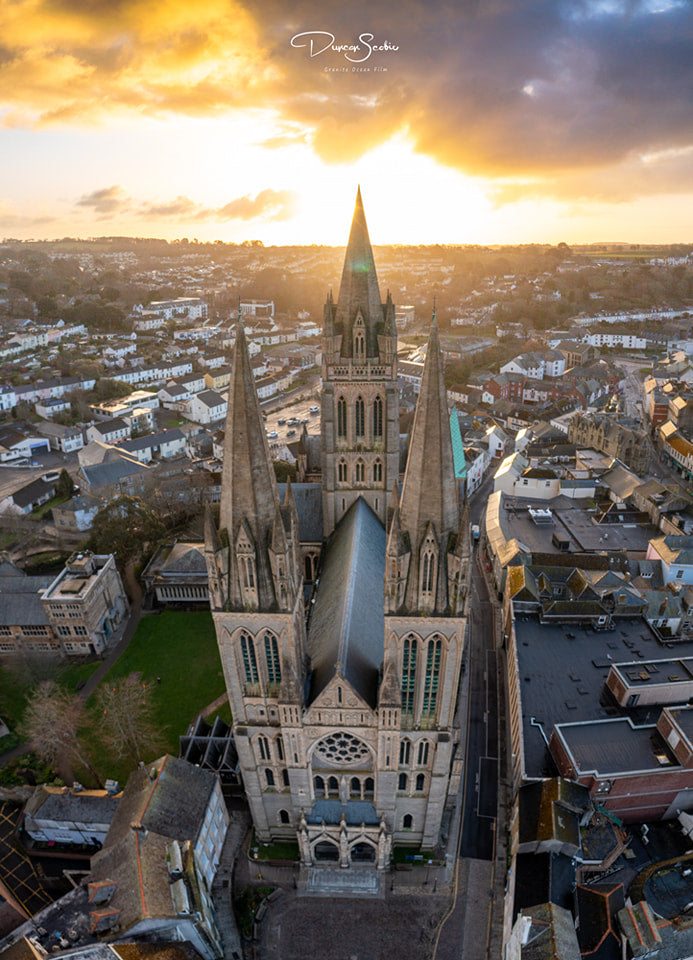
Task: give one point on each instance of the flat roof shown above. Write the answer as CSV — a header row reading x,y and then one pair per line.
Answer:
x,y
572,519
654,672
562,675
616,746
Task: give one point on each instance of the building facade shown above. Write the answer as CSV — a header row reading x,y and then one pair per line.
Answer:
x,y
344,720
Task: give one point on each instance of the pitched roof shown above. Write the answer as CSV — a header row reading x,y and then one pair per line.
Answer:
x,y
347,622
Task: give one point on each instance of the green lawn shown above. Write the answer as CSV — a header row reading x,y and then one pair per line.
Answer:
x,y
181,649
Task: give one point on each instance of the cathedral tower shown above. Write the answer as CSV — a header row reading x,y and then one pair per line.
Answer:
x,y
426,570
256,596
360,406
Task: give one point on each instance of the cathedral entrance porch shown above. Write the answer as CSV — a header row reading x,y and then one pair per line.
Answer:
x,y
351,836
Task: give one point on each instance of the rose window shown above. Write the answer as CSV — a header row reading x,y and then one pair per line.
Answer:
x,y
342,748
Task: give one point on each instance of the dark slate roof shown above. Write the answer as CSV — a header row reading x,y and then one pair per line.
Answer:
x,y
82,807
110,426
543,878
549,810
552,934
33,492
347,623
102,474
185,558
178,798
20,598
308,497
597,909
356,812
152,440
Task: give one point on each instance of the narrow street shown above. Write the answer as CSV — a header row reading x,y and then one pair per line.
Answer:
x,y
468,929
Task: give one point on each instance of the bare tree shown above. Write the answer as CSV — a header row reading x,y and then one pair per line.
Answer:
x,y
51,725
127,722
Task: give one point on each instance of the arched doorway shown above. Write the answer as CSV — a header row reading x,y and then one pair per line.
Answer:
x,y
363,853
326,852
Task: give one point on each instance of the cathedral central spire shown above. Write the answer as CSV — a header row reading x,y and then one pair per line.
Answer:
x,y
358,291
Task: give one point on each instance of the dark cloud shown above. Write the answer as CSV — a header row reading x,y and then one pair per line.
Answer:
x,y
535,89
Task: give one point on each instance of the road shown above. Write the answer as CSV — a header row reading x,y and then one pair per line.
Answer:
x,y
468,929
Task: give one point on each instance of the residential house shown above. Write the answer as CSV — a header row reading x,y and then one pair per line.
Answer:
x,y
206,407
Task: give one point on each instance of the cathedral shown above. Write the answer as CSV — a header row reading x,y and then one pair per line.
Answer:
x,y
340,603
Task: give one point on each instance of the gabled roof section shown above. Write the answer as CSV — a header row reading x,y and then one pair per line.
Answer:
x,y
347,623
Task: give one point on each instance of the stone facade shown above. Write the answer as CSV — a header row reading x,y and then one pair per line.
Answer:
x,y
615,439
344,719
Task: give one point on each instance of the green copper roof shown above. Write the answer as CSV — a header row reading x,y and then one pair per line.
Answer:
x,y
458,459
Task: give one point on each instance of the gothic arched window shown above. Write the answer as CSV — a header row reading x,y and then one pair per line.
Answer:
x,y
420,782
432,676
422,753
341,417
264,747
360,471
283,816
408,674
280,747
407,821
359,418
405,752
378,471
427,569
342,471
402,781
359,344
377,417
274,670
249,660
269,777
285,777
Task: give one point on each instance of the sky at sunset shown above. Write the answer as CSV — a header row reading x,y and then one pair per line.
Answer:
x,y
477,121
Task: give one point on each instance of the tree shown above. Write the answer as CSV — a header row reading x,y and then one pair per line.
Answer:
x,y
51,725
128,726
64,485
124,527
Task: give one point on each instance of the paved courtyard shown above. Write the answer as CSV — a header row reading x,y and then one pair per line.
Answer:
x,y
341,929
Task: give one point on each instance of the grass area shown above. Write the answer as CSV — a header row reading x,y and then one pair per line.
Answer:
x,y
16,685
246,904
407,855
13,697
7,539
282,850
51,561
40,512
181,649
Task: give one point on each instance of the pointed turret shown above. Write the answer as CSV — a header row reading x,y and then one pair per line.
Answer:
x,y
358,291
429,496
249,494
